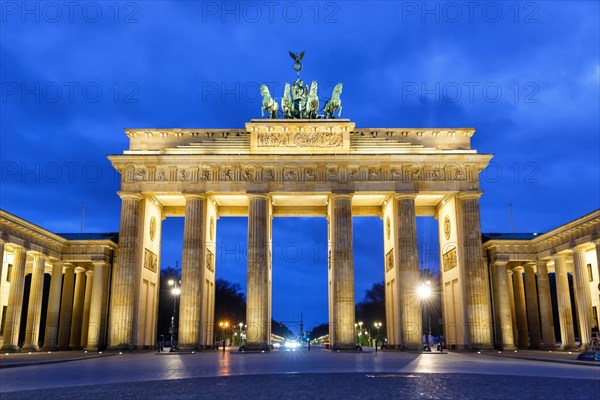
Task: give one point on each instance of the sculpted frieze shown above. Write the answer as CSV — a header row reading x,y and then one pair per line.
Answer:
x,y
299,139
212,172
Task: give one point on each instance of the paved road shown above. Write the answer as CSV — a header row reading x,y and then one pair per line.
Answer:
x,y
139,375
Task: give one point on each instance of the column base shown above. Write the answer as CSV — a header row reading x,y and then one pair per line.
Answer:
x,y
91,349
10,349
479,346
187,347
508,348
30,348
569,347
256,347
126,347
344,346
44,348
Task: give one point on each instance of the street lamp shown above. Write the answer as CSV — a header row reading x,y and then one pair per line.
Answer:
x,y
175,292
224,325
424,293
241,325
377,325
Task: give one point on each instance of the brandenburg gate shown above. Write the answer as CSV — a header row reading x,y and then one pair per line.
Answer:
x,y
300,167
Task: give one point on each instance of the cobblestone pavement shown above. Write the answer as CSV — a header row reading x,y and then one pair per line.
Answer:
x,y
332,386
301,374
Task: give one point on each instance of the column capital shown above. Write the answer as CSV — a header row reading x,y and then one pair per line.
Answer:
x,y
582,248
500,263
68,266
201,196
348,195
36,254
476,194
405,195
130,195
79,270
99,262
258,195
562,255
89,273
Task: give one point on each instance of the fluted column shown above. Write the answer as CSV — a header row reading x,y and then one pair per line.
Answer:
x,y
34,309
89,279
511,298
567,332
520,310
583,297
66,307
545,301
12,323
477,301
2,244
533,315
125,273
257,308
52,314
94,326
409,305
77,316
502,306
192,272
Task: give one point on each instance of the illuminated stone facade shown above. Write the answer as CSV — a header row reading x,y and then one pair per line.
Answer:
x,y
276,168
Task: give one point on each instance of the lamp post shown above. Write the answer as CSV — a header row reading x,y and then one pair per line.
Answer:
x,y
360,333
424,293
241,324
175,292
224,325
377,325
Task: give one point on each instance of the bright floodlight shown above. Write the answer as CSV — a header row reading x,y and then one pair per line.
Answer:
x,y
171,282
423,291
176,291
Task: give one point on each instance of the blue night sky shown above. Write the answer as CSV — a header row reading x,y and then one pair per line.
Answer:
x,y
525,75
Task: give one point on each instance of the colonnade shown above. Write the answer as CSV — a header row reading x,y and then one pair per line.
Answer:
x,y
523,301
76,311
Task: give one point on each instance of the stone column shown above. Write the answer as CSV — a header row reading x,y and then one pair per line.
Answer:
x,y
567,332
66,308
502,305
192,272
520,310
98,292
409,305
89,279
34,309
2,244
477,304
511,298
583,296
77,316
125,273
52,314
533,315
12,322
257,308
547,320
